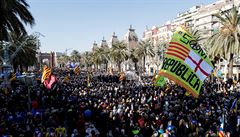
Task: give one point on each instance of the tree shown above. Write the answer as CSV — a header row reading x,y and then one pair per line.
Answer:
x,y
145,49
160,51
197,35
106,57
75,56
101,56
63,59
22,50
225,42
13,14
97,57
134,57
87,59
118,53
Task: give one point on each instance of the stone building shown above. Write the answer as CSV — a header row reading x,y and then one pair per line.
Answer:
x,y
131,41
48,59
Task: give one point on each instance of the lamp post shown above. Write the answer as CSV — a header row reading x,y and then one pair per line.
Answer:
x,y
6,67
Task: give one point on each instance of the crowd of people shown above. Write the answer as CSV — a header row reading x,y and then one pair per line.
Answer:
x,y
108,107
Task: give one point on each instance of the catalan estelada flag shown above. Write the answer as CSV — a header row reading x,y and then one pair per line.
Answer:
x,y
13,77
66,79
46,73
76,70
122,77
185,62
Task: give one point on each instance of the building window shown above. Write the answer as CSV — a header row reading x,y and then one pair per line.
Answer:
x,y
151,70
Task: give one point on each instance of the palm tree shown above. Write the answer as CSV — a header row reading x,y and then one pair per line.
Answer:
x,y
133,56
106,56
160,51
87,59
13,14
75,56
118,53
225,42
23,50
101,56
63,59
197,35
145,49
97,56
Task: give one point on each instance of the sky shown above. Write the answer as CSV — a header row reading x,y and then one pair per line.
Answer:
x,y
76,24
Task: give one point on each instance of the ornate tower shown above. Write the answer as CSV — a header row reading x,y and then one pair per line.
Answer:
x,y
131,41
104,43
94,46
113,40
131,38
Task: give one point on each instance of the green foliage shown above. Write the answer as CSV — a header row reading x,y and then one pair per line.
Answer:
x,y
13,15
145,49
87,59
23,49
119,53
225,41
75,56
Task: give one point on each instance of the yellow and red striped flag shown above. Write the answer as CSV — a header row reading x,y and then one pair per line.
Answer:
x,y
46,73
76,70
13,77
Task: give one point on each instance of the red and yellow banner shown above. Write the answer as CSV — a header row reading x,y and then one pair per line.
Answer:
x,y
46,73
77,70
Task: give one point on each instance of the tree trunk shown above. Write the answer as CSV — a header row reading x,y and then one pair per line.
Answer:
x,y
106,66
97,65
135,65
15,68
144,61
21,69
87,67
230,67
119,66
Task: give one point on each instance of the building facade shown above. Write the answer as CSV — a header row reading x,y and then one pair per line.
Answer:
x,y
49,59
131,41
200,17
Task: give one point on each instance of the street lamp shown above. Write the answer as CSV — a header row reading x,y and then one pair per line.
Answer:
x,y
6,67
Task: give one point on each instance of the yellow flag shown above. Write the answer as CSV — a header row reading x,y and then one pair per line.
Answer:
x,y
76,70
46,73
13,77
66,79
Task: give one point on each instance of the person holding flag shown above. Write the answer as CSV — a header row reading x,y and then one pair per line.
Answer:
x,y
48,79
